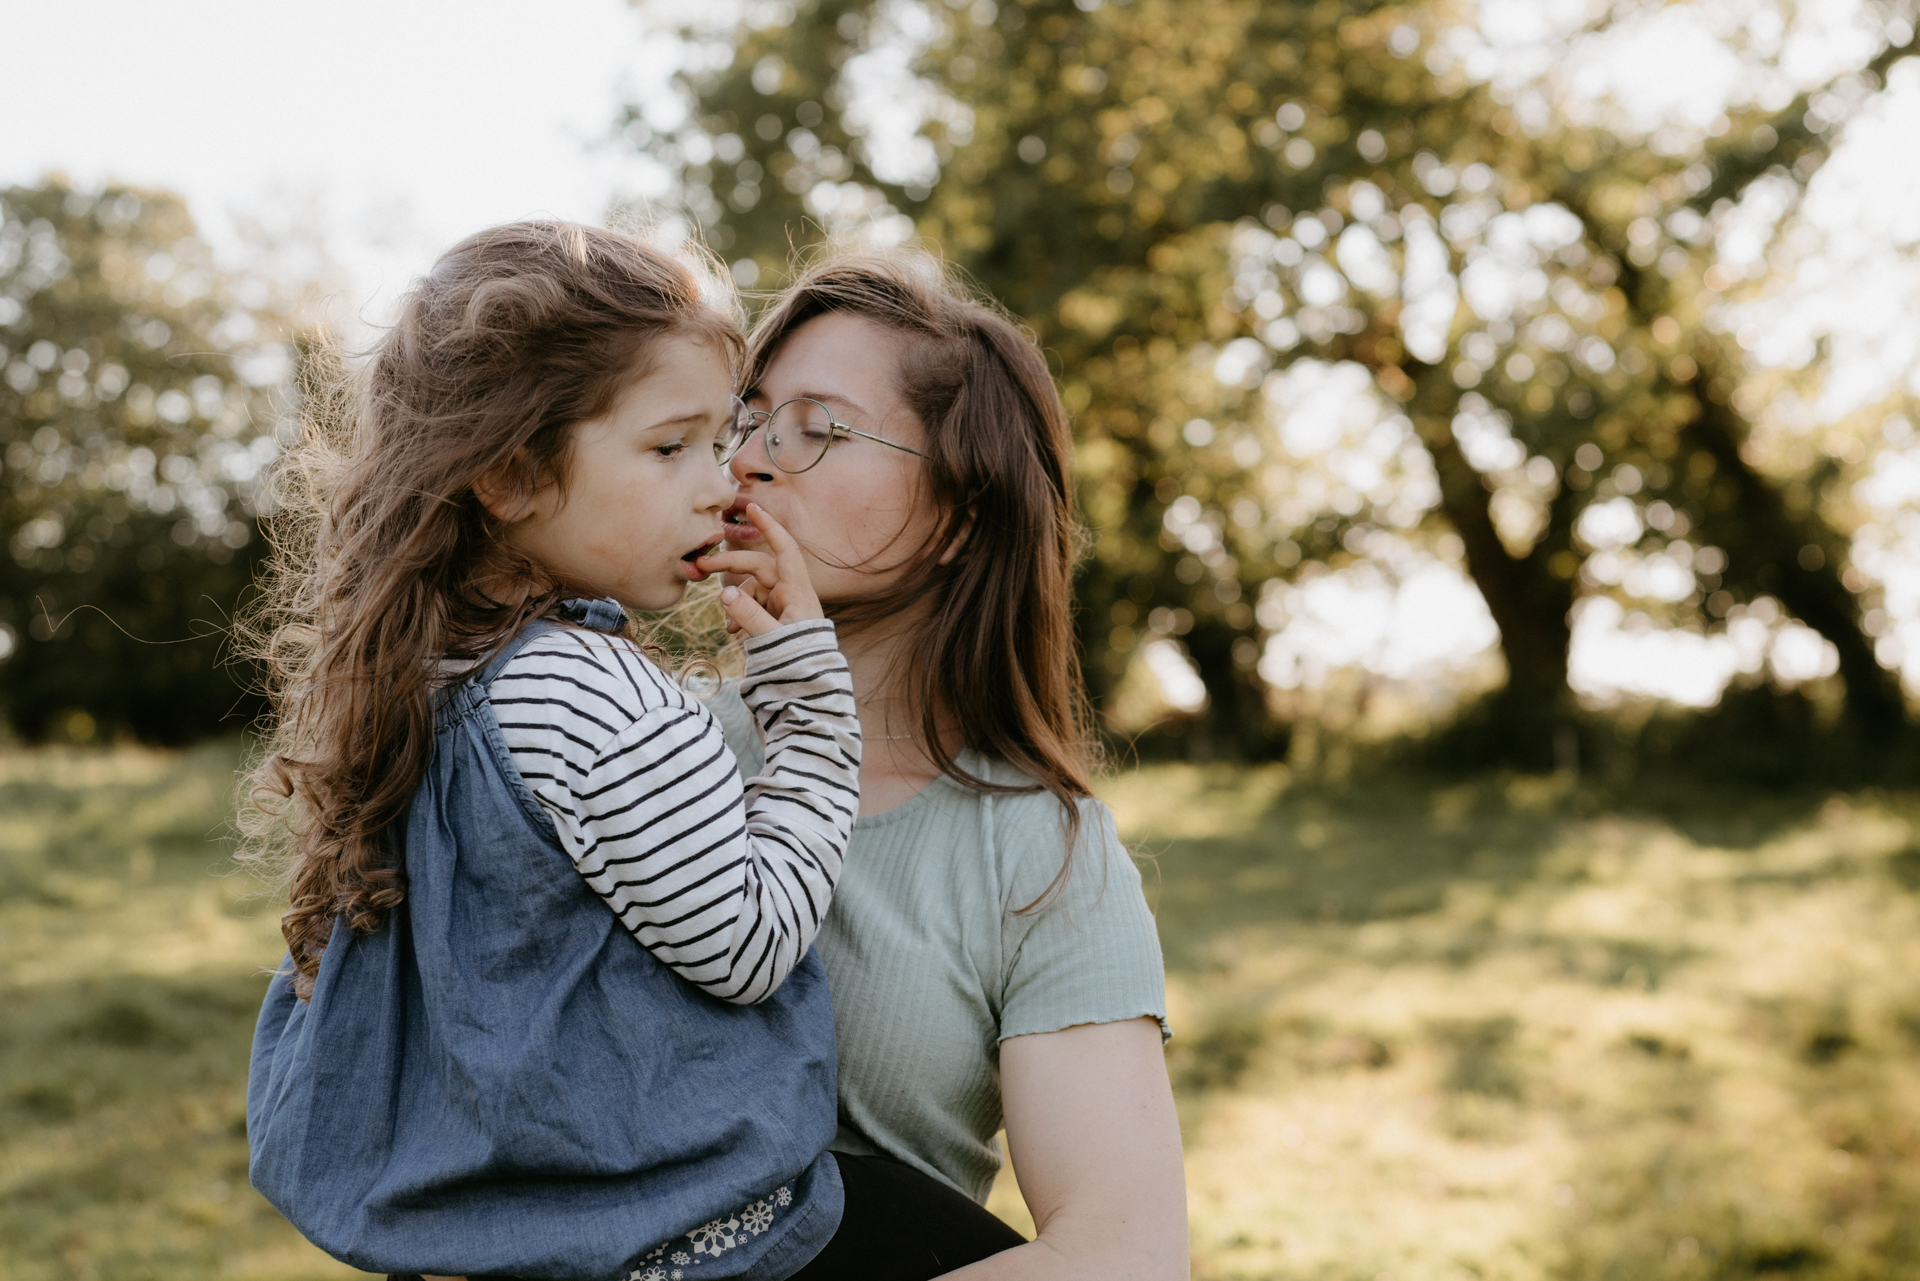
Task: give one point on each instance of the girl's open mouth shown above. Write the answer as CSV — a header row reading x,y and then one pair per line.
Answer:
x,y
692,559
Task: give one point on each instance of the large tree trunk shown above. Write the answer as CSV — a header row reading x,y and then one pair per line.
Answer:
x,y
1763,535
1236,723
1795,556
1529,603
1764,538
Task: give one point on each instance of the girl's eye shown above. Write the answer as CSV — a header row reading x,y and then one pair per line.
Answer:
x,y
670,450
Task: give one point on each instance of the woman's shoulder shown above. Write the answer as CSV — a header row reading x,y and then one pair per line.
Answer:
x,y
1030,827
1032,800
1080,939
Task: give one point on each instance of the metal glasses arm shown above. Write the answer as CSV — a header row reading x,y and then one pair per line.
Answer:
x,y
867,435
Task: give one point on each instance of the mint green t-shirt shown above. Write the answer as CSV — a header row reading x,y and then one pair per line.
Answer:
x,y
931,967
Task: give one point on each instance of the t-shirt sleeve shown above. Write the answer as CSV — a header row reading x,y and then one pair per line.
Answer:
x,y
742,732
1092,953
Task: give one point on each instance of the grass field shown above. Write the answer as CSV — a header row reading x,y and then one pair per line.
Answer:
x,y
1506,1028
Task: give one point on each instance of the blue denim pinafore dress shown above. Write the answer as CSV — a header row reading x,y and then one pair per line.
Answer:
x,y
500,1080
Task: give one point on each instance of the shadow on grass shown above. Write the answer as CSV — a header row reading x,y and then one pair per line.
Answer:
x,y
72,1048
1413,817
1650,1024
123,1127
75,813
1391,842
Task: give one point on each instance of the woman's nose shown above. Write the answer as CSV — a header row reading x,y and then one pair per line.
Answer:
x,y
752,463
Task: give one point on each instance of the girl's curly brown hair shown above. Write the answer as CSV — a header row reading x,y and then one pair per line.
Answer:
x,y
387,571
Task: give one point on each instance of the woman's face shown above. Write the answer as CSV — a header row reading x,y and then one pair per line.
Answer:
x,y
860,513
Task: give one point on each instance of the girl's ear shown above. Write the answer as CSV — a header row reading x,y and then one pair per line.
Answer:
x,y
502,490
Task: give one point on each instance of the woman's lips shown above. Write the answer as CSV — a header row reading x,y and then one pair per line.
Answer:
x,y
739,528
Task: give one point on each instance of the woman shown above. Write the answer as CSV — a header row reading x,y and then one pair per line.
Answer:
x,y
990,953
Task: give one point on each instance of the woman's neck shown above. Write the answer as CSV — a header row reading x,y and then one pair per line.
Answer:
x,y
877,656
896,765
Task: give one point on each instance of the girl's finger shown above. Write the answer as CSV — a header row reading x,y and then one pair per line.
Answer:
x,y
779,541
744,612
790,564
732,560
738,565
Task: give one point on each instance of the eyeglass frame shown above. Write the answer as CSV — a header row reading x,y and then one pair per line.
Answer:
x,y
759,418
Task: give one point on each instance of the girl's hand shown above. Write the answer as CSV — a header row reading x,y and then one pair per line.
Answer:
x,y
764,589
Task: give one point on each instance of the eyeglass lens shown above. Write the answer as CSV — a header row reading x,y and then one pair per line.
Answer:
x,y
737,432
798,435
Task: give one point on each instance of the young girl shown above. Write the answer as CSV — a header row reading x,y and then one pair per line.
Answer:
x,y
550,1007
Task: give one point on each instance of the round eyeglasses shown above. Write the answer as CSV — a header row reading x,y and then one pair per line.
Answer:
x,y
798,433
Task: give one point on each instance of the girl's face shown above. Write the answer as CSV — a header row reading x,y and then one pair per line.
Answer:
x,y
644,493
859,514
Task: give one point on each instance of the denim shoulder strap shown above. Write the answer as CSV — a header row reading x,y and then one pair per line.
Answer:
x,y
508,652
594,615
458,699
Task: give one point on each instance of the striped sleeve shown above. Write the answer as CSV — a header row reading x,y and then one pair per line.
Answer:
x,y
725,882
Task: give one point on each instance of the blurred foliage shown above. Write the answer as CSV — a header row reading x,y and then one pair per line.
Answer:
x,y
135,413
1199,207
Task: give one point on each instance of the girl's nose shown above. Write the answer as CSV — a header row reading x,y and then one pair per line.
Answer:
x,y
719,490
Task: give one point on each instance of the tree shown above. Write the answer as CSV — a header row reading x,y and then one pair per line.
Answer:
x,y
1185,200
135,412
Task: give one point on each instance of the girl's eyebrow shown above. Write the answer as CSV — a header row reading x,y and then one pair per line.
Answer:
x,y
694,417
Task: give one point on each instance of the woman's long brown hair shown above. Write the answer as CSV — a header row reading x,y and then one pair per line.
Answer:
x,y
387,568
994,653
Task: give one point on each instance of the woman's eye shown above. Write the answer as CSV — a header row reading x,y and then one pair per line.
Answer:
x,y
669,450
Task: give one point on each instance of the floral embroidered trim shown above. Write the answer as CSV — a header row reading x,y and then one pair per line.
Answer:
x,y
670,1260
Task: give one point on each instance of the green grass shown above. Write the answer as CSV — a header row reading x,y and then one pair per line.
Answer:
x,y
1510,1028
130,964
1502,1028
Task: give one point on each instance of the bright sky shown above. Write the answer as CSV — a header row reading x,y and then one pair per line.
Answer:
x,y
404,125
394,127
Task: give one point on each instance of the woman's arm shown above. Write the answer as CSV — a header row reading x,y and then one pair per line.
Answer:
x,y
1095,1142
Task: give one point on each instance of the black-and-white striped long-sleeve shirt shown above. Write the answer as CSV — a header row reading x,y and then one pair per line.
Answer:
x,y
724,881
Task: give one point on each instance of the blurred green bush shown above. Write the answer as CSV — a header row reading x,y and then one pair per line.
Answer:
x,y
137,385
